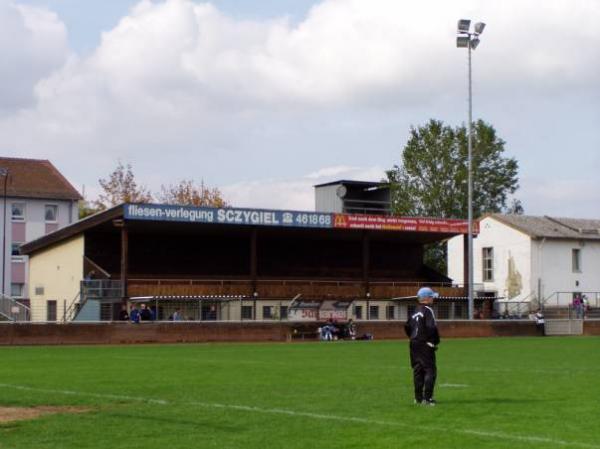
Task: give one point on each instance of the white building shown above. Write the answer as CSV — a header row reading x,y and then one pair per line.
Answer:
x,y
526,258
36,200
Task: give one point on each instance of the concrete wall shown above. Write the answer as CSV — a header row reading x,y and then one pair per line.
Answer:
x,y
508,245
126,333
556,271
326,199
58,270
542,266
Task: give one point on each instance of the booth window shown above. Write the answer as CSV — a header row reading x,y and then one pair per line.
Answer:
x,y
267,312
247,312
358,312
373,312
488,264
576,256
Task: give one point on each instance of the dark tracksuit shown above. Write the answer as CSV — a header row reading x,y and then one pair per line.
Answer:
x,y
420,327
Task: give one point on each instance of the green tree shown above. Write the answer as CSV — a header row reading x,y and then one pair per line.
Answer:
x,y
187,193
121,187
431,181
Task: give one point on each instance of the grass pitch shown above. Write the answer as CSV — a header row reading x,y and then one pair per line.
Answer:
x,y
492,393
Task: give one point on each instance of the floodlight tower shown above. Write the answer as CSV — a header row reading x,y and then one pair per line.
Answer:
x,y
469,40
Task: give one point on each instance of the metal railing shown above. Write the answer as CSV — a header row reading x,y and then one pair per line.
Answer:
x,y
13,310
74,307
101,289
564,299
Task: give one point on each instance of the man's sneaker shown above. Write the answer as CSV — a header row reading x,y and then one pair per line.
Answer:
x,y
430,402
418,402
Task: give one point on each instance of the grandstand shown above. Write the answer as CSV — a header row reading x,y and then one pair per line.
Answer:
x,y
237,264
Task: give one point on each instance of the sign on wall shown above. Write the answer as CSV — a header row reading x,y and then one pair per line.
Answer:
x,y
264,217
267,217
387,223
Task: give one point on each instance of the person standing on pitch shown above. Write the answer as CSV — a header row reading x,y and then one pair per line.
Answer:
x,y
420,327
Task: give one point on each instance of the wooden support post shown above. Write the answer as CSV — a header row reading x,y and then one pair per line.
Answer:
x,y
365,261
124,261
254,258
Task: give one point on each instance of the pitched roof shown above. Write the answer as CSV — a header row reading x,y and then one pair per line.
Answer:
x,y
354,183
36,178
553,227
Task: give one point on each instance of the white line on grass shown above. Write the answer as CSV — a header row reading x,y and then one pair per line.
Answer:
x,y
454,385
318,416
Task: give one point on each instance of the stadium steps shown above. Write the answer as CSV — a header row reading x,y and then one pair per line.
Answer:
x,y
563,327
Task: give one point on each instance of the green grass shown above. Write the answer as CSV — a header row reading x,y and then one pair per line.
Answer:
x,y
515,393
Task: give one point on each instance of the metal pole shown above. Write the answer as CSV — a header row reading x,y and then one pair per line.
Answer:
x,y
470,192
4,172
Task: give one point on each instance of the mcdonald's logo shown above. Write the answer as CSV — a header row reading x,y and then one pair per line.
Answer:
x,y
340,221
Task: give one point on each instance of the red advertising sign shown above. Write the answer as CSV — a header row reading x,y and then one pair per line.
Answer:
x,y
385,223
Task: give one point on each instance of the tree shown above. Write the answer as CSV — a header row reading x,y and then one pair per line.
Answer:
x,y
121,187
187,193
432,178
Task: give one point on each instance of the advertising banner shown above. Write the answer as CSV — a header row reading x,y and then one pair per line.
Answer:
x,y
386,223
264,217
284,218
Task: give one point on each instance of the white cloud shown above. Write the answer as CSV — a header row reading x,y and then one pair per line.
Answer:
x,y
33,44
293,194
181,90
577,198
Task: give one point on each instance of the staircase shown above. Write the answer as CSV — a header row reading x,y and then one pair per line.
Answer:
x,y
13,310
86,305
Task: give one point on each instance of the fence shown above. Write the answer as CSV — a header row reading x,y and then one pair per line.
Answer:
x,y
13,310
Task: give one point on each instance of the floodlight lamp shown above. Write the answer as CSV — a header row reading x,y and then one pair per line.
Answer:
x,y
474,43
479,27
464,25
462,41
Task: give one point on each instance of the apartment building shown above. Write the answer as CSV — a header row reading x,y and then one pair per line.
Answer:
x,y
36,200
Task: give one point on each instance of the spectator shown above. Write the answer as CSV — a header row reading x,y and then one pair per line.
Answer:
x,y
176,316
351,329
578,306
134,314
539,322
145,313
327,332
585,306
123,315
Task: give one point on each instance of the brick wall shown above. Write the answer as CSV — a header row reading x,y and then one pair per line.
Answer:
x,y
125,333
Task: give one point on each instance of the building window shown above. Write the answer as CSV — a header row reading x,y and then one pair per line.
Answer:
x,y
358,312
246,312
18,212
576,260
51,310
267,313
39,290
389,312
488,264
14,249
106,311
16,290
283,312
373,312
51,213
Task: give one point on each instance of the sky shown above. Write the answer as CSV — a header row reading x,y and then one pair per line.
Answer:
x,y
265,99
